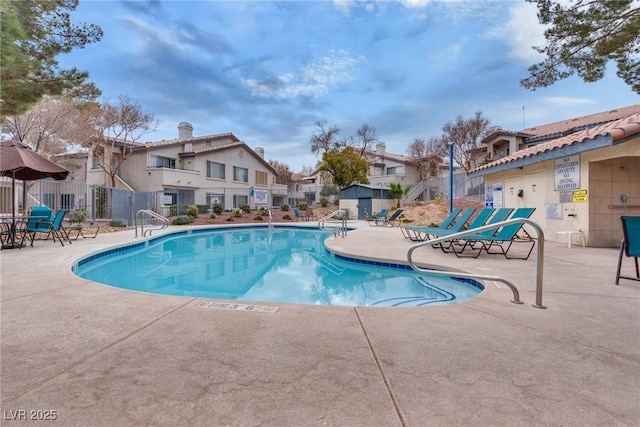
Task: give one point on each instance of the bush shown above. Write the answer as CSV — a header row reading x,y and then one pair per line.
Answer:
x,y
302,205
237,212
257,218
78,216
192,211
263,210
286,217
217,208
324,202
116,223
245,208
182,220
284,207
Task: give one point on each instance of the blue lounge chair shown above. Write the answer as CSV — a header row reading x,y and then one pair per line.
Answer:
x,y
408,232
373,220
502,238
50,227
420,234
630,245
296,214
394,218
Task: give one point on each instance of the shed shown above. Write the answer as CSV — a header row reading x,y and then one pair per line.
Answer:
x,y
365,199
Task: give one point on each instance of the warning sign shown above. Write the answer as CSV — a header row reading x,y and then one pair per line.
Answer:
x,y
580,196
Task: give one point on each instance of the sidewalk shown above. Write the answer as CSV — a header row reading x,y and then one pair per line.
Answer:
x,y
103,356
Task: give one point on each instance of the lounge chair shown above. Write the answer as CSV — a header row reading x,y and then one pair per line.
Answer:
x,y
309,215
502,238
393,219
630,245
478,221
373,220
410,232
53,227
296,214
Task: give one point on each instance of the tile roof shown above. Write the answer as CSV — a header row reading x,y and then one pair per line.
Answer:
x,y
391,156
166,142
617,130
570,125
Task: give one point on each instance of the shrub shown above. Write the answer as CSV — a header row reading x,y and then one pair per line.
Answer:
x,y
324,202
302,205
286,217
212,219
192,211
263,210
212,216
78,216
257,218
182,220
245,208
284,207
230,219
237,212
116,223
217,208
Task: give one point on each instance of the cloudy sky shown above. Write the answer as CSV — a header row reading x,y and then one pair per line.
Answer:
x,y
267,71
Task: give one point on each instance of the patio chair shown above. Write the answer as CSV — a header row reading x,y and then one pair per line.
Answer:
x,y
420,234
309,215
373,220
296,215
630,245
478,221
50,227
501,239
393,219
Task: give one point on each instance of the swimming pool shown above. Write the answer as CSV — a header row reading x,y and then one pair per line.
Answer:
x,y
281,264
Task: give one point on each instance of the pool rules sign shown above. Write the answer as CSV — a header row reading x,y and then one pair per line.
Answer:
x,y
567,173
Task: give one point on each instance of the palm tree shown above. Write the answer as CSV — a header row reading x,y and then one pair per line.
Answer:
x,y
397,191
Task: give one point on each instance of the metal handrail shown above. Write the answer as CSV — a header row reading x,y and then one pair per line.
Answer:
x,y
152,214
270,219
516,294
340,231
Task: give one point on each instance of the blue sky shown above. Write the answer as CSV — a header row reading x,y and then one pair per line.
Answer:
x,y
267,71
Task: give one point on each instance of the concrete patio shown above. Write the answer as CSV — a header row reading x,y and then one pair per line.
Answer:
x,y
101,356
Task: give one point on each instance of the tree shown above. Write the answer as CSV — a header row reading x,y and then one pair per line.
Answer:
x,y
345,166
45,127
285,176
398,191
33,34
466,135
325,139
365,138
116,129
583,37
427,160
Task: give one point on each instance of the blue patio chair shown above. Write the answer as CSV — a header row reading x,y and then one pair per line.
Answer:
x,y
373,220
48,226
296,214
420,234
408,232
630,245
501,239
393,219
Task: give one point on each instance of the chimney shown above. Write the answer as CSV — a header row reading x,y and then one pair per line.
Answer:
x,y
380,148
259,151
185,130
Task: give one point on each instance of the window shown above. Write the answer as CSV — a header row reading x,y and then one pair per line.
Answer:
x,y
67,201
211,198
162,162
240,200
240,174
396,170
215,170
49,199
261,178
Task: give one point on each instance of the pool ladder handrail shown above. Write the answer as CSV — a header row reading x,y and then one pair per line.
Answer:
x,y
154,216
337,231
270,220
516,294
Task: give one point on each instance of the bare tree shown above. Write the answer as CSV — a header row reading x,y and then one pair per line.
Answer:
x,y
425,153
44,127
325,139
465,135
115,131
285,176
366,137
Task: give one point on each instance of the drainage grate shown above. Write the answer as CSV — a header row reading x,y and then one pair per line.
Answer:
x,y
238,307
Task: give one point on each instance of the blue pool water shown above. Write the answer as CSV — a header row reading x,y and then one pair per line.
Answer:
x,y
284,264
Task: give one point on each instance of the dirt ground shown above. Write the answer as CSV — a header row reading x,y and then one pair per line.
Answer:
x,y
425,214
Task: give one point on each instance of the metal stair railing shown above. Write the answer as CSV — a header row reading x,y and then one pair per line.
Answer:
x,y
154,216
341,230
516,294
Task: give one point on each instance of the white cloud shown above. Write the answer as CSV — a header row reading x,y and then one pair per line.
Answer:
x,y
567,101
314,79
521,32
415,4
